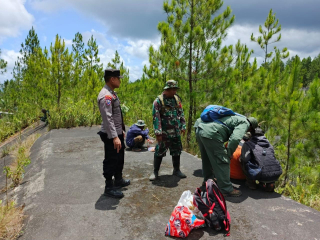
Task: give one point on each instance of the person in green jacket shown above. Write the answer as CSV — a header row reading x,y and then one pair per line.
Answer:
x,y
211,137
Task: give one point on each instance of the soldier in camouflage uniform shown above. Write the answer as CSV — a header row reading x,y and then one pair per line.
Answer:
x,y
168,123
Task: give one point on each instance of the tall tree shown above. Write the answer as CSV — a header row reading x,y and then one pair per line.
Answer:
x,y
286,117
161,66
242,61
272,27
78,65
3,65
190,36
314,71
30,45
93,72
116,63
61,61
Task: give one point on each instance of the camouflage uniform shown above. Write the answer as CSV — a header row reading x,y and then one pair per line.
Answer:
x,y
168,121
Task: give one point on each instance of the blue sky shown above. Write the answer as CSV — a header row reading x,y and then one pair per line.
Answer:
x,y
130,26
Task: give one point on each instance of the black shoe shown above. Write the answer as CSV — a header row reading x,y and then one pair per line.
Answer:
x,y
111,192
121,183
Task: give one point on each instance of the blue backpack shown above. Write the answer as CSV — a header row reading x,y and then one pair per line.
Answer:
x,y
214,112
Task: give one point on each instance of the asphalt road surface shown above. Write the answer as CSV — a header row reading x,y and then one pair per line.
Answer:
x,y
63,194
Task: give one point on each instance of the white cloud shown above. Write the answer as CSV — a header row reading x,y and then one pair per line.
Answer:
x,y
135,73
68,42
132,52
13,18
304,43
101,38
139,48
10,57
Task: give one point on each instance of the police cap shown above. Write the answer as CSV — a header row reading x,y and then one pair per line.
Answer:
x,y
112,73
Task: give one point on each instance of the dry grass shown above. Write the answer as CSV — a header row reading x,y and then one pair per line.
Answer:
x,y
11,216
11,220
21,158
26,145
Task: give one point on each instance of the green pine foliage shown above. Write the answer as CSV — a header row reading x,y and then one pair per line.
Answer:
x,y
284,97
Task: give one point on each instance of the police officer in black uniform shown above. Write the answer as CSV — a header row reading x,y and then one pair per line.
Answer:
x,y
112,134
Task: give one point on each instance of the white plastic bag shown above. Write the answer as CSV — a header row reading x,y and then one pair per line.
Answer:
x,y
186,200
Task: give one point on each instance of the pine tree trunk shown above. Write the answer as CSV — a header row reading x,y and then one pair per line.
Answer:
x,y
190,80
59,88
288,154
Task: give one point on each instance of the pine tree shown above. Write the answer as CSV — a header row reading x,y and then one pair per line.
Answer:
x,y
190,36
314,71
78,65
242,61
3,65
286,120
93,72
116,63
61,64
161,66
272,27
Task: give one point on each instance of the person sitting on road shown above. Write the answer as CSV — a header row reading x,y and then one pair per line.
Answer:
x,y
136,136
260,152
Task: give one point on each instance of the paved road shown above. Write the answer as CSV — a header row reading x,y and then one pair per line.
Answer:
x,y
63,195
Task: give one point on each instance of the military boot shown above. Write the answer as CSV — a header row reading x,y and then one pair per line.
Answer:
x,y
111,191
121,183
156,166
176,167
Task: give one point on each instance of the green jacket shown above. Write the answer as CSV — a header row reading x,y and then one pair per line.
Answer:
x,y
237,127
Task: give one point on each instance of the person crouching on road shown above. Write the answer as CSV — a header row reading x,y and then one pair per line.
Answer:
x,y
136,136
211,137
168,123
112,134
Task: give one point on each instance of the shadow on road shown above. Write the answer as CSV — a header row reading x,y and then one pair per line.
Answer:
x,y
197,234
168,181
106,203
246,193
142,150
198,173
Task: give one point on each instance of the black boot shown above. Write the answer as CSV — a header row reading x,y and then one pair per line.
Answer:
x,y
156,166
111,191
121,183
176,167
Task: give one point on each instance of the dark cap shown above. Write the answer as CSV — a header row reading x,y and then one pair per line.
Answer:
x,y
112,73
253,122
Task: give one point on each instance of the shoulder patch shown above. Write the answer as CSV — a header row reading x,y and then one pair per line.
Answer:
x,y
108,99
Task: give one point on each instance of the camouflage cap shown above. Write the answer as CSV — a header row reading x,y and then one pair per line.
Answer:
x,y
140,123
171,84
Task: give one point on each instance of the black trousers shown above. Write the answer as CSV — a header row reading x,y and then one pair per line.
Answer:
x,y
113,162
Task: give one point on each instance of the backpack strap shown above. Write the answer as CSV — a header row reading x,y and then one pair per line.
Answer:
x,y
176,97
222,202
